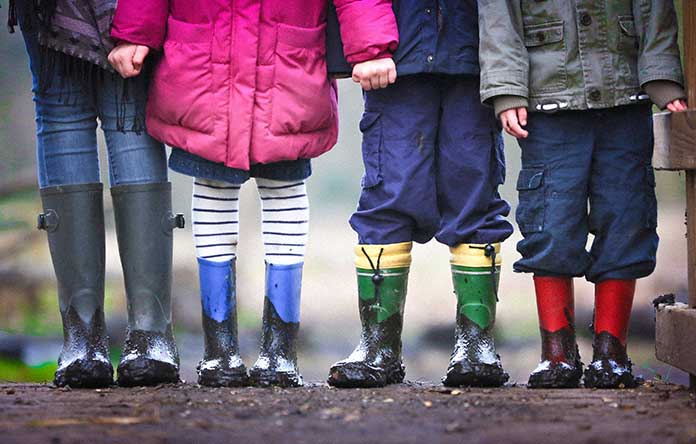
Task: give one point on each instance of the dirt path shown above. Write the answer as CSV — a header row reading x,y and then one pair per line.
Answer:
x,y
407,413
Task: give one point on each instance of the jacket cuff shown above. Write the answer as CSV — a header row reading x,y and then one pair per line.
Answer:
x,y
504,103
663,92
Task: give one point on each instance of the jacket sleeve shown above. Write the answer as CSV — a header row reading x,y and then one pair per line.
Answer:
x,y
368,29
503,55
657,29
141,22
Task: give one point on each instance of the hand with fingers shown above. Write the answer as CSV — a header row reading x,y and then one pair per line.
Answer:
x,y
514,120
676,106
375,74
127,59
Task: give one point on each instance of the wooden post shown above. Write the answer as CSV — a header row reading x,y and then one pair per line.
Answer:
x,y
675,335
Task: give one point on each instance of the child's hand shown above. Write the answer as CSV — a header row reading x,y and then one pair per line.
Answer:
x,y
128,58
677,106
375,74
513,120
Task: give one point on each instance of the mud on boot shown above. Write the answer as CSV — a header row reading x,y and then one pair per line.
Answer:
x,y
84,360
610,367
73,218
382,273
277,362
144,225
149,358
474,362
475,276
221,365
376,361
560,365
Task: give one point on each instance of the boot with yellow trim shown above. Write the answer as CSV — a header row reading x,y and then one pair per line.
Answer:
x,y
474,361
382,281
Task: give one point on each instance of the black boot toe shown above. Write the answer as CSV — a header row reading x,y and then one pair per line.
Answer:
x,y
609,374
559,375
85,373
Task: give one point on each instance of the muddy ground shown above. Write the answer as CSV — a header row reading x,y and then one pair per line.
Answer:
x,y
407,413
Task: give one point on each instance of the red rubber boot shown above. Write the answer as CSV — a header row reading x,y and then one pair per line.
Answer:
x,y
560,365
610,367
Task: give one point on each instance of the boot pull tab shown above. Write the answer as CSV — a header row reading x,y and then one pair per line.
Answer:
x,y
377,277
47,221
174,221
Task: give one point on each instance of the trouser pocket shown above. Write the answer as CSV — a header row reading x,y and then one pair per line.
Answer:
x,y
531,210
371,129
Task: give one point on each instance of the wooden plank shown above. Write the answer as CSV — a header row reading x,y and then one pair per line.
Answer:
x,y
675,139
675,336
691,235
689,39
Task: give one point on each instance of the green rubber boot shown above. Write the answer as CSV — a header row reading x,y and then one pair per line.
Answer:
x,y
474,361
382,283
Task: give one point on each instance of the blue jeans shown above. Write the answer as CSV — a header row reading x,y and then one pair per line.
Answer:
x,y
433,160
600,157
66,125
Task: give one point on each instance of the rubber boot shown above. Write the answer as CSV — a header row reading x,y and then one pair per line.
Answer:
x,y
221,365
560,365
73,217
610,367
144,225
277,362
475,274
382,285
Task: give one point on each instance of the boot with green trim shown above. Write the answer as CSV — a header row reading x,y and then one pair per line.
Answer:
x,y
382,283
474,361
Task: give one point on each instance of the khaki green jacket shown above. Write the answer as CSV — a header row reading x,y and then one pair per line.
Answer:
x,y
576,54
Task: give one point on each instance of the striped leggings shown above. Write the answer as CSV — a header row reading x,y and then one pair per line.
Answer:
x,y
285,221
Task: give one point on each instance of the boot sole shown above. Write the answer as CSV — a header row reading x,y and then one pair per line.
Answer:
x,y
608,380
360,375
146,372
270,378
479,375
224,378
555,379
84,373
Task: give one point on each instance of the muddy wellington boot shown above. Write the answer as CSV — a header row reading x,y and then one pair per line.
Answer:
x,y
560,365
277,362
221,365
382,284
144,225
73,217
476,274
610,367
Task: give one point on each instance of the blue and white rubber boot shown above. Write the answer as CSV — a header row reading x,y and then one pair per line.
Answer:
x,y
221,365
277,363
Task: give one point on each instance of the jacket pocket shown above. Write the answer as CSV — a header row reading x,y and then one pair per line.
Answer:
x,y
547,57
627,49
181,89
371,129
302,95
531,210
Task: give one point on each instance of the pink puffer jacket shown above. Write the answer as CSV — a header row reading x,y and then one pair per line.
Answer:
x,y
242,82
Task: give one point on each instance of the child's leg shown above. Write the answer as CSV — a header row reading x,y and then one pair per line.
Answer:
x,y
215,219
285,224
398,205
73,217
552,216
623,218
473,224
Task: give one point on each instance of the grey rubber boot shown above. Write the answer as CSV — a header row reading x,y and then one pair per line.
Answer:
x,y
73,218
144,225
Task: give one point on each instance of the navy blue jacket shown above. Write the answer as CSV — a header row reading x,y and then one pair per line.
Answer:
x,y
435,36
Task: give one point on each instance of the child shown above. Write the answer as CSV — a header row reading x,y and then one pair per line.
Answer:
x,y
74,87
241,90
580,68
433,163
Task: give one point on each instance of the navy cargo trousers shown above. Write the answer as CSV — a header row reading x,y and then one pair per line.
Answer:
x,y
588,172
433,160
